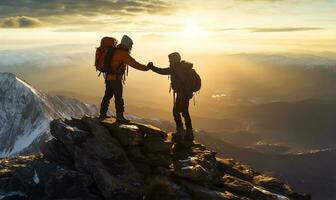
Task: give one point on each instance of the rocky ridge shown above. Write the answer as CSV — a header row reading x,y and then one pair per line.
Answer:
x,y
90,159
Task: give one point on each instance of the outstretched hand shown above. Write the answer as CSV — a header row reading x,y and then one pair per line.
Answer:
x,y
150,65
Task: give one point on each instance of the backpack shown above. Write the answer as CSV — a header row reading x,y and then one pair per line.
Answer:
x,y
193,79
104,55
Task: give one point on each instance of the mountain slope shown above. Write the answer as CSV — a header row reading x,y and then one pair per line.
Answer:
x,y
311,171
25,114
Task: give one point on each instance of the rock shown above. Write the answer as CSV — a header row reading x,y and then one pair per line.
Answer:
x,y
153,159
14,196
201,193
54,150
143,168
194,173
126,134
229,166
260,194
151,131
157,145
68,183
89,160
237,185
273,185
102,156
134,153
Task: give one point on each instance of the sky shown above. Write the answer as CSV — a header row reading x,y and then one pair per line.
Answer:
x,y
162,26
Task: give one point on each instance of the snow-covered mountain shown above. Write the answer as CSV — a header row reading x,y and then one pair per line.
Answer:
x,y
25,114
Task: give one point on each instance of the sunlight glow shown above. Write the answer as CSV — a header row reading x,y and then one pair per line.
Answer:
x,y
191,27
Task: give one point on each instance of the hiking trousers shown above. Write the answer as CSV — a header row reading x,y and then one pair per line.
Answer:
x,y
112,88
181,106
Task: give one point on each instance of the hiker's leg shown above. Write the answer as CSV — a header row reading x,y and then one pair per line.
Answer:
x,y
177,112
106,99
118,96
185,113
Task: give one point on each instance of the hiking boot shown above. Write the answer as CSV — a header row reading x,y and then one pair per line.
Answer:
x,y
103,116
189,135
121,119
178,135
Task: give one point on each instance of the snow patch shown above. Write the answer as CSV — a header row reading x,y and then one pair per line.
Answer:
x,y
36,178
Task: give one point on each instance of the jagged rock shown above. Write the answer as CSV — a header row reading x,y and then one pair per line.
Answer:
x,y
151,131
102,156
55,150
273,184
229,166
237,185
89,159
260,194
194,173
126,134
201,193
134,153
68,184
157,145
14,196
158,159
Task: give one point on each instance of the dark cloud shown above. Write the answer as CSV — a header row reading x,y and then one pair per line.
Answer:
x,y
284,29
43,8
20,22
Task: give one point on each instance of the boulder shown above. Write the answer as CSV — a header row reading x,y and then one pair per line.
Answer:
x,y
157,145
55,150
194,173
273,184
229,166
125,133
68,183
236,185
100,155
198,192
261,194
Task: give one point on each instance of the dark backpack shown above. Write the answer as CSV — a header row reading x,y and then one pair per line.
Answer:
x,y
196,82
193,79
104,55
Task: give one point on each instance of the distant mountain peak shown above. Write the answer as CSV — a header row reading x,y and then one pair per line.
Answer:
x,y
25,114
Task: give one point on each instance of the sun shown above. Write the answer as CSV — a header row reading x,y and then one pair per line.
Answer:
x,y
191,27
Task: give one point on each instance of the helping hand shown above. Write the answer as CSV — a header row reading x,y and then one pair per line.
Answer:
x,y
150,65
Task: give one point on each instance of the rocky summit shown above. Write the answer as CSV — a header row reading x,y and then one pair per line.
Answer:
x,y
92,159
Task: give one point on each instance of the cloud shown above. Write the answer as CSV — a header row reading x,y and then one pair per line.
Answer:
x,y
21,22
42,8
284,29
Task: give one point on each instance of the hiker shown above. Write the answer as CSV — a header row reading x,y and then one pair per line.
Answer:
x,y
184,82
119,58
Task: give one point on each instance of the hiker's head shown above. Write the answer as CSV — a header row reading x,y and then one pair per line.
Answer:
x,y
174,58
126,42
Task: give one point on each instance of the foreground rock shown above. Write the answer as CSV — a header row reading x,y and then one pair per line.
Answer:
x,y
90,159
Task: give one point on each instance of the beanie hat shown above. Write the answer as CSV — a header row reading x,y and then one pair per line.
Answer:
x,y
126,42
175,57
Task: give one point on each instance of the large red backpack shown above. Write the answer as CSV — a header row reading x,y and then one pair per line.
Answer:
x,y
104,55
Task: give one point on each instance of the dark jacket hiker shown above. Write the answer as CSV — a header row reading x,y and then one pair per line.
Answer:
x,y
184,82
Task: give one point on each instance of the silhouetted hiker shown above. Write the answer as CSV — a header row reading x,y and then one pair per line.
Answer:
x,y
184,82
112,61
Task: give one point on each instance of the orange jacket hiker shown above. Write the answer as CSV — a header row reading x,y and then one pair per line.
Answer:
x,y
120,59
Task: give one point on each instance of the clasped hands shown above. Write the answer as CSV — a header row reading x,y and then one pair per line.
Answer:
x,y
150,65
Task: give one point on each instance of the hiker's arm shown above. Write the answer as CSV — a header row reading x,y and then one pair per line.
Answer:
x,y
133,63
162,71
